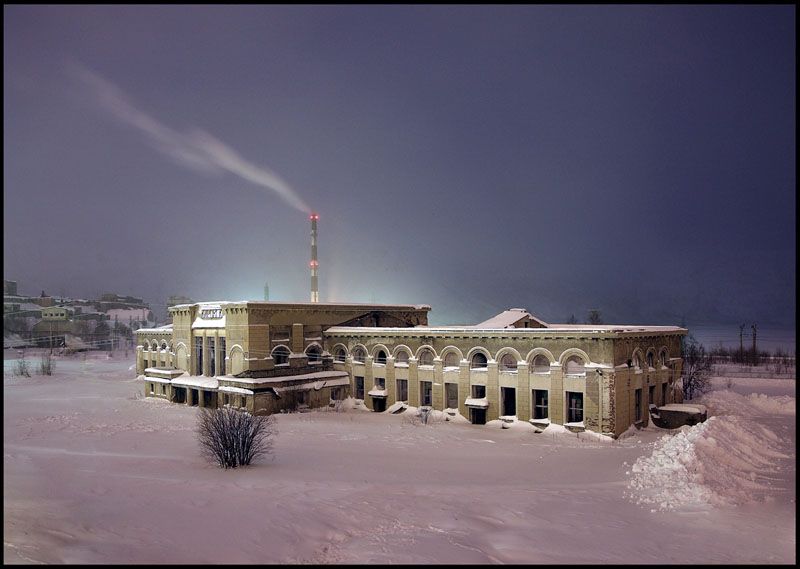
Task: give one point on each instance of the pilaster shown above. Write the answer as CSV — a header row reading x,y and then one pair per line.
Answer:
x,y
524,393
492,391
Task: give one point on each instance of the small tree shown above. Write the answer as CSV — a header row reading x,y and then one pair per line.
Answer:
x,y
696,372
234,438
47,365
21,367
594,316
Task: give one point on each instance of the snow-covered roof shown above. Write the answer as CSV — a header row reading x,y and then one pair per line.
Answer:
x,y
476,402
508,318
551,330
329,377
159,329
196,381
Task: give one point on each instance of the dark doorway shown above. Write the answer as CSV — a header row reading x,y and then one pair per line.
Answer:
x,y
477,416
193,397
208,399
179,395
379,404
509,401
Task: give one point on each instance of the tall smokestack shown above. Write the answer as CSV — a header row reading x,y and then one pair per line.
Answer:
x,y
314,263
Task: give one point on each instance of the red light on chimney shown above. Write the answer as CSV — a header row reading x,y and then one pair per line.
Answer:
x,y
314,216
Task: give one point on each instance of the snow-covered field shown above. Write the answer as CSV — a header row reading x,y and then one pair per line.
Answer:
x,y
95,473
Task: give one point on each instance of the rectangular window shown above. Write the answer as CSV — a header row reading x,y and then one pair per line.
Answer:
x,y
574,407
152,388
402,390
359,387
244,400
451,391
651,395
222,356
425,391
198,349
336,394
663,393
163,389
637,405
225,399
478,391
211,357
540,410
380,383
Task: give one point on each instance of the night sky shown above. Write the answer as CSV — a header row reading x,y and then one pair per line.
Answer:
x,y
639,160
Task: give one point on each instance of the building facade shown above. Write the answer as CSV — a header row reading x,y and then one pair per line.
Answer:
x,y
268,356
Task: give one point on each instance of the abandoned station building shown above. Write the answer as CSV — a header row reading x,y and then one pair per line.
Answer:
x,y
267,356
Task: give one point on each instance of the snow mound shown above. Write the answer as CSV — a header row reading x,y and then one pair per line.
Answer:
x,y
730,403
726,460
349,404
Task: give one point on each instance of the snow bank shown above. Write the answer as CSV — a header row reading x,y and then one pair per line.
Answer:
x,y
732,403
727,460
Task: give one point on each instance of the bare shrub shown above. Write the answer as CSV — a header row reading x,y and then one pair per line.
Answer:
x,y
234,438
21,367
696,371
47,365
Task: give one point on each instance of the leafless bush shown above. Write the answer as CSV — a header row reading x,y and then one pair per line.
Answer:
x,y
47,365
696,371
234,438
21,367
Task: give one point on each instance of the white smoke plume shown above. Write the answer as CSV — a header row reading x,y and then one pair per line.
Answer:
x,y
197,149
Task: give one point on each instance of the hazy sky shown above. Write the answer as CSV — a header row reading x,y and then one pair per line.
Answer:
x,y
635,159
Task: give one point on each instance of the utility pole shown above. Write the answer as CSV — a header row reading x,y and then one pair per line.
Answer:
x,y
755,353
741,345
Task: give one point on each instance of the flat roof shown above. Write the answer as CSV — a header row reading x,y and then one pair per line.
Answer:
x,y
326,305
551,329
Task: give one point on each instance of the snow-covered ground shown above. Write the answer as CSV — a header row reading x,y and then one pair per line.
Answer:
x,y
95,473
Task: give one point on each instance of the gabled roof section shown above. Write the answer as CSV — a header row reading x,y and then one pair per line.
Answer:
x,y
512,318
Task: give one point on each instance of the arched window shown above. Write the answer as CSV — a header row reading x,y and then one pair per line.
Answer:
x,y
541,364
451,360
508,363
635,361
575,366
339,355
314,354
402,357
359,355
663,357
426,358
380,357
280,355
651,359
478,361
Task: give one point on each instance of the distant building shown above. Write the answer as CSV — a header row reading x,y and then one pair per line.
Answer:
x,y
266,356
52,330
174,301
9,288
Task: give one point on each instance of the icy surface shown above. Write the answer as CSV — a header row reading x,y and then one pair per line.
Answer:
x,y
94,473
